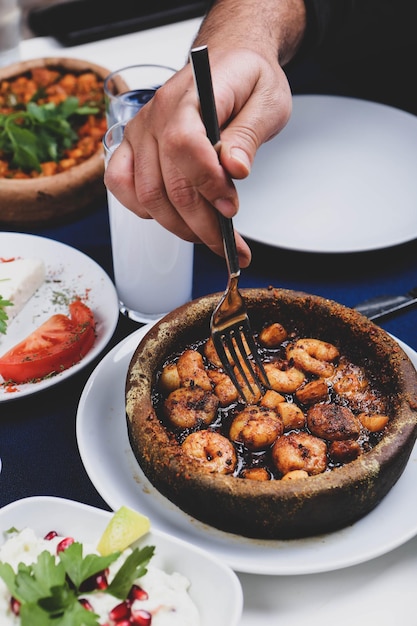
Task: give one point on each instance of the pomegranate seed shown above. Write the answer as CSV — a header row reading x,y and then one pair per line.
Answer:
x,y
64,544
137,593
141,618
51,535
15,605
120,612
85,603
98,581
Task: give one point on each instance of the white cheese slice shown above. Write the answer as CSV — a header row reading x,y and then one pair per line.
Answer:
x,y
19,280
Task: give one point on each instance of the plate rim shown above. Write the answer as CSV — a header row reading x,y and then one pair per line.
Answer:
x,y
248,227
110,317
238,561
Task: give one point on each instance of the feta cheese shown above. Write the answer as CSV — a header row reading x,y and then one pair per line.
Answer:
x,y
19,280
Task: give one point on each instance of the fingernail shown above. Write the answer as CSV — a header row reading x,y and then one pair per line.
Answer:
x,y
225,206
240,155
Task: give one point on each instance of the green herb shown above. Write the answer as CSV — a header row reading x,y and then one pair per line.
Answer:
x,y
3,315
40,133
48,590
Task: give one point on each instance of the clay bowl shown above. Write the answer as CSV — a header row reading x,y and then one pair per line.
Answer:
x,y
275,509
56,198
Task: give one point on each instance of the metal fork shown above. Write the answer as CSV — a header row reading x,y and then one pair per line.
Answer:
x,y
230,326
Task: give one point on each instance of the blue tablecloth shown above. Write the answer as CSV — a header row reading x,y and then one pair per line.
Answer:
x,y
38,444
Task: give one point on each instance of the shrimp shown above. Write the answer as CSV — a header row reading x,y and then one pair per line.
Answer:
x,y
283,379
374,423
256,473
299,451
214,452
189,407
169,379
344,451
256,427
295,475
210,352
223,387
273,335
313,356
314,391
332,421
191,370
291,415
271,398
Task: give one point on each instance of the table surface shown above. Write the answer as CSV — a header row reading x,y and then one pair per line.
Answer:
x,y
38,445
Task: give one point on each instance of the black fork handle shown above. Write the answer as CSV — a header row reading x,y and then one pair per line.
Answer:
x,y
202,76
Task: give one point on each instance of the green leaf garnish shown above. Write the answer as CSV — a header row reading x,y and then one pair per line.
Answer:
x,y
40,132
3,315
49,590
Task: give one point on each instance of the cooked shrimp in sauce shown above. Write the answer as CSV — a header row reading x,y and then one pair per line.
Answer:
x,y
319,411
213,451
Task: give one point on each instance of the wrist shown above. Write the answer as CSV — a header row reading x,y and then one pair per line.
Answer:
x,y
271,27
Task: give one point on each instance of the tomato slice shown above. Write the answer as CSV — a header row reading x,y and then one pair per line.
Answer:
x,y
56,345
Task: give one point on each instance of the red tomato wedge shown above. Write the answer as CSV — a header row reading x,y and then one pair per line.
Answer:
x,y
56,345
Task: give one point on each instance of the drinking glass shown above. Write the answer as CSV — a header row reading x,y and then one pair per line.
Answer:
x,y
153,269
126,90
10,31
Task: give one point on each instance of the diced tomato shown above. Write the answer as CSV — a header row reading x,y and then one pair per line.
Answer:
x,y
56,345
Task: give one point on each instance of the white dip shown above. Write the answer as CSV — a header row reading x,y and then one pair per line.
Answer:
x,y
168,600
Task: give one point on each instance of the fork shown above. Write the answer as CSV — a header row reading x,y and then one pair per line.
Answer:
x,y
230,327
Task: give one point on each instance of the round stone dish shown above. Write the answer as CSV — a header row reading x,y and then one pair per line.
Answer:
x,y
275,509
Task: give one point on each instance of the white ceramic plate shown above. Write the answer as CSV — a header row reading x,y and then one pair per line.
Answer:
x,y
340,177
214,588
109,461
69,274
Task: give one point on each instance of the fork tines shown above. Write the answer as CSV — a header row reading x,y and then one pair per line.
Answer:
x,y
246,372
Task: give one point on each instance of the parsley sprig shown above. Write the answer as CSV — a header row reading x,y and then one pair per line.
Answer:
x,y
3,314
40,132
48,590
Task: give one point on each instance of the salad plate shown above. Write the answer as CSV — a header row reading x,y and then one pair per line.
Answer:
x,y
69,274
112,467
86,524
327,183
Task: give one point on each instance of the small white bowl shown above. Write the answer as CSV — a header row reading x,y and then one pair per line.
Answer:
x,y
215,588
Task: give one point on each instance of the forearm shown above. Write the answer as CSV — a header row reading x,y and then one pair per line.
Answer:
x,y
271,27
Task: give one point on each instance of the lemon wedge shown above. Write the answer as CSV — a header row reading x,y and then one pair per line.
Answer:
x,y
125,527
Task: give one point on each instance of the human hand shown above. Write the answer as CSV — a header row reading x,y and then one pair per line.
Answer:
x,y
166,167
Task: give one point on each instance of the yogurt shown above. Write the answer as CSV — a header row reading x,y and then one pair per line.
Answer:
x,y
168,600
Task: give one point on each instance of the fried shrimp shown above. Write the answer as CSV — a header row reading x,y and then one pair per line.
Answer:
x,y
291,415
210,352
344,451
169,379
313,356
191,370
256,427
282,378
332,421
374,422
273,335
189,407
256,473
213,451
314,391
299,451
223,387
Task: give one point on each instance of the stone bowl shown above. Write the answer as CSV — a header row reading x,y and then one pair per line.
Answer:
x,y
275,509
61,196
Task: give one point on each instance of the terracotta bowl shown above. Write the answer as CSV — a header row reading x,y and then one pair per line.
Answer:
x,y
275,509
56,198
